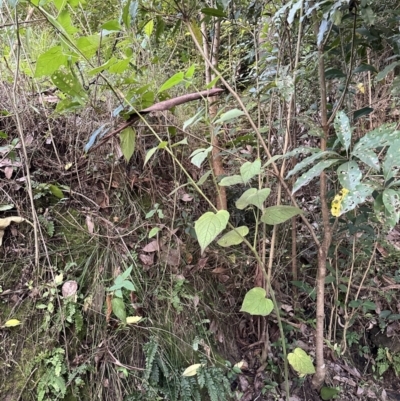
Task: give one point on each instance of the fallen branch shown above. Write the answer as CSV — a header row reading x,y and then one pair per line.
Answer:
x,y
161,106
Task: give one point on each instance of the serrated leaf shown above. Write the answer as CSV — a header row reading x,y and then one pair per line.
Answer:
x,y
310,161
118,307
312,173
233,237
12,323
329,393
133,319
209,226
249,170
355,197
128,142
253,196
343,129
149,153
301,362
368,157
174,80
349,175
232,180
279,214
191,370
255,302
391,164
229,115
56,191
50,61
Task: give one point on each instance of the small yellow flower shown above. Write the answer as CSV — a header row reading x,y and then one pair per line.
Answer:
x,y
337,202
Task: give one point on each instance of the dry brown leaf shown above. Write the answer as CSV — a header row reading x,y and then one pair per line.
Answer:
x,y
147,260
201,263
4,223
152,246
186,197
109,307
219,270
172,257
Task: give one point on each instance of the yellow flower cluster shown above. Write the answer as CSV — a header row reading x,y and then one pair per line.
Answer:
x,y
337,202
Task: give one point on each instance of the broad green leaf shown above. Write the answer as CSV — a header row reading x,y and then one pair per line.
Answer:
x,y
133,319
334,73
148,28
154,231
65,21
184,141
272,160
349,175
126,273
119,66
301,362
193,120
391,163
302,150
112,25
384,135
362,112
4,207
56,191
250,170
203,178
189,73
391,200
213,12
329,393
50,61
88,45
364,68
199,155
197,32
343,129
118,307
292,13
356,197
128,141
232,180
209,226
321,32
255,302
368,157
279,214
229,115
150,153
312,173
69,84
253,196
192,370
382,74
103,67
308,161
233,237
12,323
126,16
174,80
128,285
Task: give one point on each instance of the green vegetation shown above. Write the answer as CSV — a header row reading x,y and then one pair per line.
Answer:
x,y
199,200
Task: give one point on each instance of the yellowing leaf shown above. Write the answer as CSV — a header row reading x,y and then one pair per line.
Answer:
x,y
361,87
133,319
12,323
301,362
191,370
337,202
